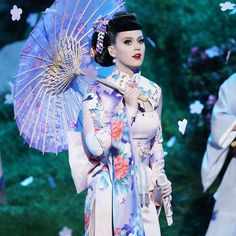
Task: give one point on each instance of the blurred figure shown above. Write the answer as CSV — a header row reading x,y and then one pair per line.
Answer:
x,y
3,199
223,133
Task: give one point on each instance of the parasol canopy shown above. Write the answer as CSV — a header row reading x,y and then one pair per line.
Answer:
x,y
50,81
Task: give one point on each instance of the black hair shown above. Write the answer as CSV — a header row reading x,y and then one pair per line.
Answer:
x,y
121,21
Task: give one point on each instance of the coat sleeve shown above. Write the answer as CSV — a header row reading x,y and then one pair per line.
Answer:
x,y
98,141
222,134
157,162
223,115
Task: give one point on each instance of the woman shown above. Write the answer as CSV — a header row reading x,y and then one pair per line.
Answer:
x,y
223,134
122,131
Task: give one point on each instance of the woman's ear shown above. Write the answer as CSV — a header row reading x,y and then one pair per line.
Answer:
x,y
112,51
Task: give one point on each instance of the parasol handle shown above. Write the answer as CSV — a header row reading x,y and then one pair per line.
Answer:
x,y
233,144
140,97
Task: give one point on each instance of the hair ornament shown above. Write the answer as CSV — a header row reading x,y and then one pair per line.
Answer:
x,y
100,26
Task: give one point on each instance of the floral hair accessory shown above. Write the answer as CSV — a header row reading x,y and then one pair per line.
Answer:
x,y
100,26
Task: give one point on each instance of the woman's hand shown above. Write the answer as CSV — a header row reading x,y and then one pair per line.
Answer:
x,y
234,129
131,97
166,190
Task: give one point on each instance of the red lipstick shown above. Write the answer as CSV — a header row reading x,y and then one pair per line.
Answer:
x,y
137,56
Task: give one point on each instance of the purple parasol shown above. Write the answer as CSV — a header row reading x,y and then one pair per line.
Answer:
x,y
50,77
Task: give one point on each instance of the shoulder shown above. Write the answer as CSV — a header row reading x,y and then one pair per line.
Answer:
x,y
230,83
229,86
152,91
149,85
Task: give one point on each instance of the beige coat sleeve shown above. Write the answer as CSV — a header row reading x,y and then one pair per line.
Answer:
x,y
157,162
222,132
97,142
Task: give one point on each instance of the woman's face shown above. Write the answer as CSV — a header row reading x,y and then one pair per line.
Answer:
x,y
128,50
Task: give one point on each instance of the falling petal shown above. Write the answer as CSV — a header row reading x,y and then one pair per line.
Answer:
x,y
65,231
214,215
9,97
52,10
16,13
233,11
27,181
213,52
151,42
228,56
227,6
182,126
165,153
170,143
32,19
196,107
51,181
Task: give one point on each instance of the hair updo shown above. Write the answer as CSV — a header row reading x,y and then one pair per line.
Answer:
x,y
121,21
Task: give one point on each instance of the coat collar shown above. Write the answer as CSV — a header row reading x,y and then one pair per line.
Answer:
x,y
120,78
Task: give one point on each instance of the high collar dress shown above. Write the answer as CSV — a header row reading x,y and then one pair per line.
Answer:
x,y
146,146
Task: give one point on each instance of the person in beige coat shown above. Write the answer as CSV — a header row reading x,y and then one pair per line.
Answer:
x,y
223,133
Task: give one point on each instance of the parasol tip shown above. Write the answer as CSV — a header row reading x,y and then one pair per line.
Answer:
x,y
78,71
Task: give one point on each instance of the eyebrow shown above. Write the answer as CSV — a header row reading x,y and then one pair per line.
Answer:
x,y
140,37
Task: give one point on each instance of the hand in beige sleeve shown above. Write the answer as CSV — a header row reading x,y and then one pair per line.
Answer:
x,y
234,129
97,142
157,162
131,100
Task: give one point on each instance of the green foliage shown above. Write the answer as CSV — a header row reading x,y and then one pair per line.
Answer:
x,y
36,209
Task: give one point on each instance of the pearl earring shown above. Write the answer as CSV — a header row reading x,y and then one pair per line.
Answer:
x,y
114,60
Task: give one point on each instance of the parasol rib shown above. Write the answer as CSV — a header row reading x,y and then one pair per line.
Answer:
x,y
111,12
107,15
48,40
55,28
85,34
27,98
62,24
29,110
90,18
41,58
29,83
37,119
35,68
77,3
54,123
80,19
85,52
46,122
41,46
64,112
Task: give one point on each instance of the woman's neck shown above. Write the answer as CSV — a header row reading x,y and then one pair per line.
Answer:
x,y
125,69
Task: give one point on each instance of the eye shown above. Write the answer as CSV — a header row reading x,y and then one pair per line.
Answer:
x,y
141,41
128,42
